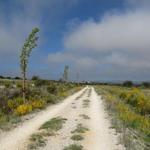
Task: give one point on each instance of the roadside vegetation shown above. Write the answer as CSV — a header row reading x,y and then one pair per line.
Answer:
x,y
39,94
129,108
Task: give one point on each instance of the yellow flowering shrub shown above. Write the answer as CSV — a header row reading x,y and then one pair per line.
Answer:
x,y
14,103
23,109
63,94
138,99
38,104
131,108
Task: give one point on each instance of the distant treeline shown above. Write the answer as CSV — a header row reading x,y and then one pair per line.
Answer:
x,y
125,84
145,84
10,78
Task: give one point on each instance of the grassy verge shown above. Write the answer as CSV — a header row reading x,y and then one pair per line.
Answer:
x,y
127,118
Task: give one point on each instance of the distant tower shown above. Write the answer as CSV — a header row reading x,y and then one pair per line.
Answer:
x,y
65,74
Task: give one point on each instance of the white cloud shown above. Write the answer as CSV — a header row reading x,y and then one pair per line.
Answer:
x,y
115,47
129,31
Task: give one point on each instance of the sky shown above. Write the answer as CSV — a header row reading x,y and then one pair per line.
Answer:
x,y
99,40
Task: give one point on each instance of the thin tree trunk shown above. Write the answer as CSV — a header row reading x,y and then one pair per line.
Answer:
x,y
24,83
24,86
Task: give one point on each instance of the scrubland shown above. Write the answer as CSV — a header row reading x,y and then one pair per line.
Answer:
x,y
129,110
39,94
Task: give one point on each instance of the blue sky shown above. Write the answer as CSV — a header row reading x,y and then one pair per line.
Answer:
x,y
98,39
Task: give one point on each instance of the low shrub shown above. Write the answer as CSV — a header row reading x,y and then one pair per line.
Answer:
x,y
14,103
138,99
3,118
38,104
51,99
63,94
52,88
23,109
128,116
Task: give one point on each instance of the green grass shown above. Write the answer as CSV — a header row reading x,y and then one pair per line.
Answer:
x,y
77,137
37,140
74,147
80,129
54,124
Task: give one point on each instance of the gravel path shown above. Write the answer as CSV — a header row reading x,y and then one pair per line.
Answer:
x,y
16,139
86,108
101,136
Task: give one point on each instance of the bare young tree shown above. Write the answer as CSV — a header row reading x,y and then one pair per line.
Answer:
x,y
26,50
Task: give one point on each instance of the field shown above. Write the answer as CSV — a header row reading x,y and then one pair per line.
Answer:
x,y
129,110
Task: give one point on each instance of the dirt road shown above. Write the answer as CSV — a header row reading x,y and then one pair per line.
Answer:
x,y
84,108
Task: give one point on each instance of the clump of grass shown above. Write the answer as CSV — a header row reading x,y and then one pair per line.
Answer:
x,y
77,137
86,103
47,129
80,129
84,116
54,124
37,140
74,147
